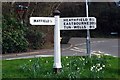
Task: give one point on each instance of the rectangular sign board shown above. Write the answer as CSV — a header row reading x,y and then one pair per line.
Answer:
x,y
77,23
42,20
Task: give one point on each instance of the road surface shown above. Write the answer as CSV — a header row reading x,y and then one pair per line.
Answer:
x,y
75,47
103,45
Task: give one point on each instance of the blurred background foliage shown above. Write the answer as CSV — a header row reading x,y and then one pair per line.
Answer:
x,y
18,35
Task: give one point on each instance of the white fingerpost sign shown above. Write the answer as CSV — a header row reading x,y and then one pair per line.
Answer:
x,y
77,23
72,23
42,20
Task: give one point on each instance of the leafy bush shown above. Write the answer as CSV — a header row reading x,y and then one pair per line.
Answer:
x,y
35,38
13,35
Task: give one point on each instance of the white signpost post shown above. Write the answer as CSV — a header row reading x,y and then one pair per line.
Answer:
x,y
72,23
57,51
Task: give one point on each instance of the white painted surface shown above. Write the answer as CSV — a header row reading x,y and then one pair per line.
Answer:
x,y
42,20
77,23
57,50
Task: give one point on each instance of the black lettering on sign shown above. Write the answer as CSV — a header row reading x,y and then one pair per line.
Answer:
x,y
92,23
84,27
82,23
87,23
67,27
75,19
47,21
75,23
72,23
50,21
80,19
91,26
75,26
64,23
79,27
34,20
90,19
86,19
43,20
65,19
38,20
71,19
69,23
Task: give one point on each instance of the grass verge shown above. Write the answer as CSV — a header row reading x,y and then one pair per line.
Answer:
x,y
99,66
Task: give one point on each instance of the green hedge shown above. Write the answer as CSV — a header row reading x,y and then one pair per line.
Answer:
x,y
13,35
16,37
